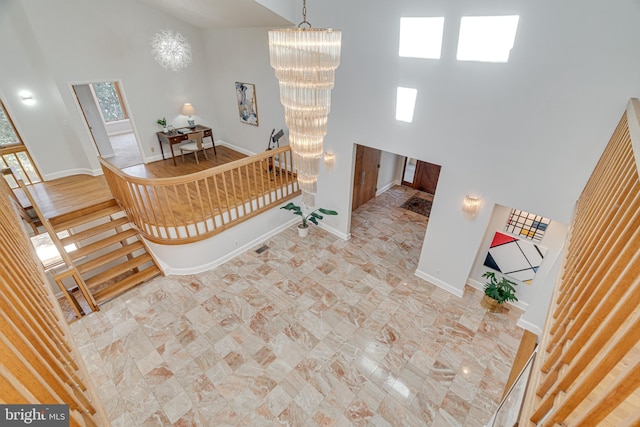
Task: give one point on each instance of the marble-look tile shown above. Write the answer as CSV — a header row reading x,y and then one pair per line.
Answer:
x,y
313,332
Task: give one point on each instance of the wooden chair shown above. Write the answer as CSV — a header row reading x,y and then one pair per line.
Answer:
x,y
194,145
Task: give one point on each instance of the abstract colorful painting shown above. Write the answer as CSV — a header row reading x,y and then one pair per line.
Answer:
x,y
527,225
513,257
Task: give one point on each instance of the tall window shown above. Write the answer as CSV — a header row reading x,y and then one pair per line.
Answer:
x,y
13,152
110,101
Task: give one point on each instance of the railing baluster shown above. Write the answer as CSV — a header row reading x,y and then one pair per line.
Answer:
x,y
164,209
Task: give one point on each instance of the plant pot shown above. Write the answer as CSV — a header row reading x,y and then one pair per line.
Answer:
x,y
303,230
165,130
490,304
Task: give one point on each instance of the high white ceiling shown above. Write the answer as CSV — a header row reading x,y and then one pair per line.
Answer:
x,y
220,13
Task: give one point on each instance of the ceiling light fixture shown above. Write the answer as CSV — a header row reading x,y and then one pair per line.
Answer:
x,y
305,60
171,50
27,97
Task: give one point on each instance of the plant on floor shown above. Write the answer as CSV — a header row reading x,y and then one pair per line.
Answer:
x,y
313,217
497,291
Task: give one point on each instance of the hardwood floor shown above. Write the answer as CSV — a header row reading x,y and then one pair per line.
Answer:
x,y
166,169
78,191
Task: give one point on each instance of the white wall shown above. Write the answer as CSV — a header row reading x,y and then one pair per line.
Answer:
x,y
44,127
83,41
242,55
544,280
525,134
388,174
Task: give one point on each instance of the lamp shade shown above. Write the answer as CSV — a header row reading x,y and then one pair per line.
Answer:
x,y
188,110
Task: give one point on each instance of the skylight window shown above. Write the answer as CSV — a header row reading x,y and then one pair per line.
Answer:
x,y
487,38
421,37
405,104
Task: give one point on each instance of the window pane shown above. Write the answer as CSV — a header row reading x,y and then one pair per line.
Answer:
x,y
405,103
109,101
487,38
7,134
28,168
421,37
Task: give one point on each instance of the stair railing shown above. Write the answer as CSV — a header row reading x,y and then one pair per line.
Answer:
x,y
193,207
71,270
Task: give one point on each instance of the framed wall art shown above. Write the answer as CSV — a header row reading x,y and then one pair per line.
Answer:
x,y
517,258
247,104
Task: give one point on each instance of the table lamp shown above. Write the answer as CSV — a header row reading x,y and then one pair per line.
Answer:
x,y
188,110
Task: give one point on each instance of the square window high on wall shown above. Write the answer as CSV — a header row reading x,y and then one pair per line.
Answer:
x,y
527,225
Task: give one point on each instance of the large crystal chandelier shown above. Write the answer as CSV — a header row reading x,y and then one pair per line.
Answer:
x,y
171,50
305,60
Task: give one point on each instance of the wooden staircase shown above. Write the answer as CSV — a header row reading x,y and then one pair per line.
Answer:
x,y
105,250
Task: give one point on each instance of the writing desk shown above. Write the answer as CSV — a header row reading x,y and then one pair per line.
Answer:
x,y
176,137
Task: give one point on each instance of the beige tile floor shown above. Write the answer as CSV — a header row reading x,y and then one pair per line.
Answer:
x,y
312,332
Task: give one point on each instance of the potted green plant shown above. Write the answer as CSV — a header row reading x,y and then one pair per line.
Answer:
x,y
497,291
314,217
163,122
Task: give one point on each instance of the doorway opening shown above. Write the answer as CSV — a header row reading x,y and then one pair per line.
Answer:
x,y
104,110
420,175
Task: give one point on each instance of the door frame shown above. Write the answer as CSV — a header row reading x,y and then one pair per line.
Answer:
x,y
85,124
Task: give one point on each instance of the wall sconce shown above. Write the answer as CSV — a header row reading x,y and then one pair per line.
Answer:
x,y
329,160
27,97
471,206
188,110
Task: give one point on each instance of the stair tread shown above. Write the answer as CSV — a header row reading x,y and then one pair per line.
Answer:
x,y
85,234
126,284
84,215
101,244
117,270
109,256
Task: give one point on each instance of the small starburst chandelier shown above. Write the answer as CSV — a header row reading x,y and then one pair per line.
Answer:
x,y
305,60
171,50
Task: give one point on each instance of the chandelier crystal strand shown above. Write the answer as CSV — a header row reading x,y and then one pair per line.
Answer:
x,y
171,50
305,60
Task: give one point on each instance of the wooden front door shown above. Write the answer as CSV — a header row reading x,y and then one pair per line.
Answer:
x,y
365,179
424,177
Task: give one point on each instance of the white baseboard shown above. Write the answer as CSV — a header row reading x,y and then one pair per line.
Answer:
x,y
70,172
475,284
235,148
439,283
217,262
525,324
335,232
385,188
156,158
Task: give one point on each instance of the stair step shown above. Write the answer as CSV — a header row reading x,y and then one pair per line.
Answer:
x,y
94,231
126,284
117,270
84,215
101,244
109,257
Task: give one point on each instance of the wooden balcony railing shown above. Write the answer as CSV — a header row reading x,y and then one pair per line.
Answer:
x,y
194,207
587,370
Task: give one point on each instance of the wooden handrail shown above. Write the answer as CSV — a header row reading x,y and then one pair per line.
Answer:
x,y
587,371
193,207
